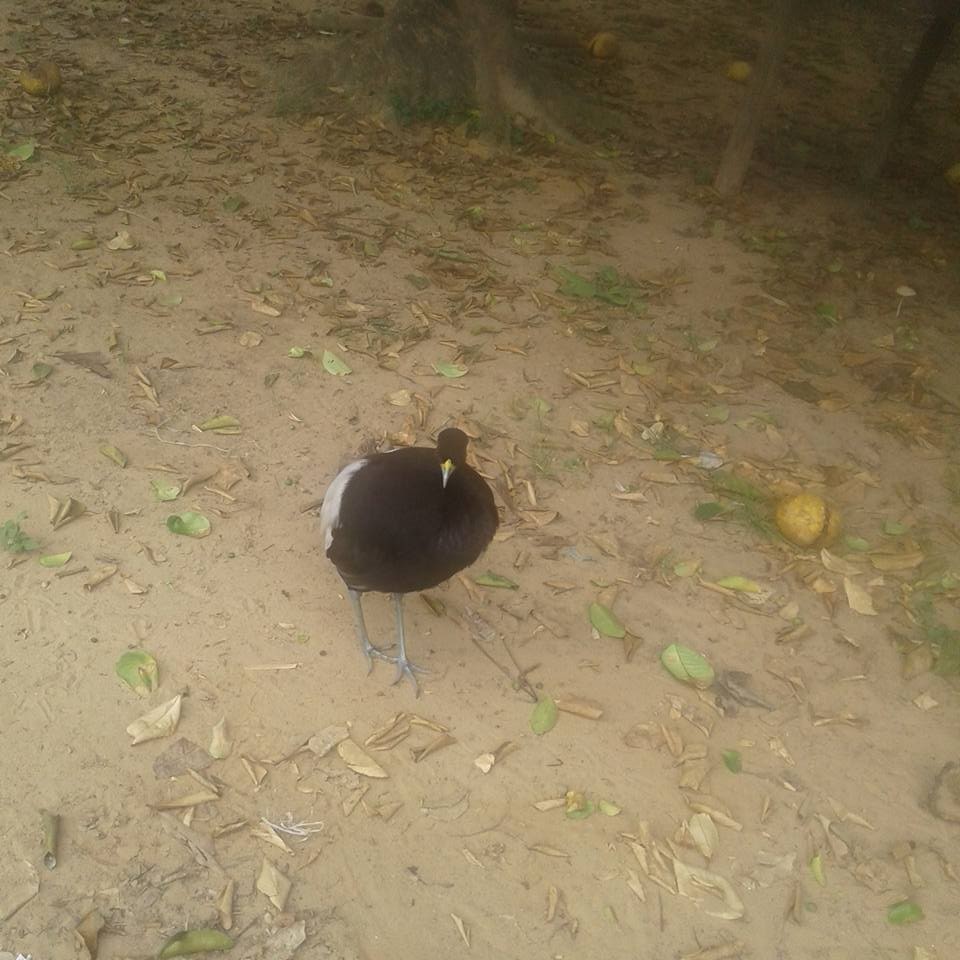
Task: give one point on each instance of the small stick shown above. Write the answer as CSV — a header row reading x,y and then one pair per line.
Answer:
x,y
50,827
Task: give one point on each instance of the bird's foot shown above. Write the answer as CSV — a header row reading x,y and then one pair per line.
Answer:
x,y
375,653
407,668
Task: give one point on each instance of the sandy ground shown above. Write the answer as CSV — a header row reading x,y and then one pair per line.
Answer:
x,y
171,225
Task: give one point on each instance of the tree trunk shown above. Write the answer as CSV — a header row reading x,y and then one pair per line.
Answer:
x,y
756,103
929,51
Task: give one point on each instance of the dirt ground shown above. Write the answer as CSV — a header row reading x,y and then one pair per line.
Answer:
x,y
207,252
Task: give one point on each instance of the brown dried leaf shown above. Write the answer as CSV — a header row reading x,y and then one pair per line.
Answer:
x,y
273,884
189,800
225,905
447,808
579,707
859,598
358,761
87,933
63,511
550,851
461,929
438,743
257,772
101,575
693,881
551,804
265,831
159,722
703,803
323,742
894,562
94,362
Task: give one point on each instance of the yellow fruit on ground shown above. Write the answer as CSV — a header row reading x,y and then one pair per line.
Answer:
x,y
603,46
41,79
739,71
805,519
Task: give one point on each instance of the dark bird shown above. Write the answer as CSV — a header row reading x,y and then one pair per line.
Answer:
x,y
405,521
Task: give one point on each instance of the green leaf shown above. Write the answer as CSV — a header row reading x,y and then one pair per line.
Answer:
x,y
857,543
452,371
707,511
608,808
55,559
893,528
194,941
666,453
298,353
41,371
189,524
717,414
686,568
904,911
687,666
158,275
948,654
112,453
334,365
732,760
603,620
740,584
22,151
489,579
222,424
816,868
736,487
13,538
827,311
84,243
164,491
580,812
573,285
139,671
233,203
544,716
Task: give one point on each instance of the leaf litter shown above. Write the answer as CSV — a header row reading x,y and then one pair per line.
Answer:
x,y
625,426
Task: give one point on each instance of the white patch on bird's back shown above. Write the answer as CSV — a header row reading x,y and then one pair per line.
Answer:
x,y
330,511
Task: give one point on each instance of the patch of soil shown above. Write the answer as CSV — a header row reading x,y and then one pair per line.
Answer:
x,y
624,334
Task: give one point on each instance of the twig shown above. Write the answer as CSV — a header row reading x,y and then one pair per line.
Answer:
x,y
520,682
183,443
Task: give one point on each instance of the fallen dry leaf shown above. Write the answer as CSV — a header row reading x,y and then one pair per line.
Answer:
x,y
859,598
87,933
160,722
358,761
273,884
693,881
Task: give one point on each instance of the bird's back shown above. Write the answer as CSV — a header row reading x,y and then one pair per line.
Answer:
x,y
399,530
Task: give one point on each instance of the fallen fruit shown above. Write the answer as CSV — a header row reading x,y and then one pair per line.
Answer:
x,y
805,519
41,79
603,46
739,71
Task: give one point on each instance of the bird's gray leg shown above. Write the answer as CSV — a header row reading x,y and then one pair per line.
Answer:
x,y
369,650
404,666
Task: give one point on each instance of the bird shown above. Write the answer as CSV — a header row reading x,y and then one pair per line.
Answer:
x,y
404,521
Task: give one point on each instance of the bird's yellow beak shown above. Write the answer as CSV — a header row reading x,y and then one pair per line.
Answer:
x,y
446,469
